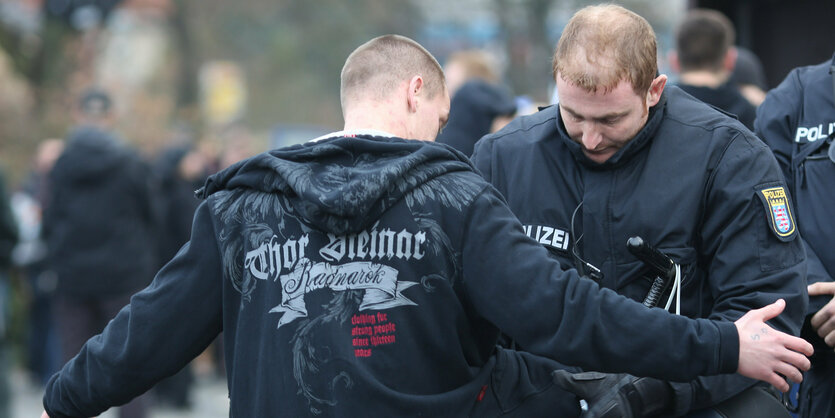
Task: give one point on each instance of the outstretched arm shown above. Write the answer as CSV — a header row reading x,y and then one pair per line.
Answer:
x,y
767,354
764,354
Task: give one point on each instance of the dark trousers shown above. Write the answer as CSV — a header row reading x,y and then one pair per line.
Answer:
x,y
817,391
80,319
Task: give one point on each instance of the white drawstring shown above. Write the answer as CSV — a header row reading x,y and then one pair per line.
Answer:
x,y
675,291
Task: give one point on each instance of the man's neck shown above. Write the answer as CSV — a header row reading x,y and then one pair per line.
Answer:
x,y
376,116
703,78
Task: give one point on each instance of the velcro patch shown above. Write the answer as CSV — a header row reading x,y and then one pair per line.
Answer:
x,y
778,211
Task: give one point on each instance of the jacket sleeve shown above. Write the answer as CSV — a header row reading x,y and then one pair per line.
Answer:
x,y
554,313
747,265
776,117
165,326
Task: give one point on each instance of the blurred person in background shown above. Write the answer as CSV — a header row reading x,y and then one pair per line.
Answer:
x,y
8,240
43,351
469,64
477,109
705,58
180,170
797,120
99,228
479,103
749,76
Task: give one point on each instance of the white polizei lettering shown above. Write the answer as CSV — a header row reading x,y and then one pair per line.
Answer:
x,y
821,134
559,240
362,243
404,244
546,237
801,133
420,238
813,133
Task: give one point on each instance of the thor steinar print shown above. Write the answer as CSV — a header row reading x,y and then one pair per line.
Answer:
x,y
286,261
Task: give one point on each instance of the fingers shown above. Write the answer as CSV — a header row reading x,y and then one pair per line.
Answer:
x,y
798,345
770,311
791,367
823,322
821,288
778,382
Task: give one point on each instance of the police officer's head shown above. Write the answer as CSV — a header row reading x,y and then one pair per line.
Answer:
x,y
606,72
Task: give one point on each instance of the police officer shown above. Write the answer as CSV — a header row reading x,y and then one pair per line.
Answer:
x,y
797,120
620,156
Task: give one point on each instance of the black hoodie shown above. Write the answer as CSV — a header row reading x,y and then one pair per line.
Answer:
x,y
363,276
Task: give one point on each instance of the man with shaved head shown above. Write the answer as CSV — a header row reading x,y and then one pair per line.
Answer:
x,y
366,274
624,155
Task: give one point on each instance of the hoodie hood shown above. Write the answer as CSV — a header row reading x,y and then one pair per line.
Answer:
x,y
91,153
341,184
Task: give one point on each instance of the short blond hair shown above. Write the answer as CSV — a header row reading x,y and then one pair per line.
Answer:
x,y
378,66
476,64
604,44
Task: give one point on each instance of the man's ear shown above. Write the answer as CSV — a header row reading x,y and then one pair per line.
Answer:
x,y
655,90
729,62
415,90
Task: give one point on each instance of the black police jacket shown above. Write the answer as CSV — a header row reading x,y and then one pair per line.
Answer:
x,y
694,182
797,120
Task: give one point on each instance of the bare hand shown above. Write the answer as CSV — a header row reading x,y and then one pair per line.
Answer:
x,y
765,353
823,321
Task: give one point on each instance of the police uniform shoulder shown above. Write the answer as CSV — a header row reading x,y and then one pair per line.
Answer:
x,y
688,111
527,128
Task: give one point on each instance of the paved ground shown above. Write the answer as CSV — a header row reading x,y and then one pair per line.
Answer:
x,y
209,396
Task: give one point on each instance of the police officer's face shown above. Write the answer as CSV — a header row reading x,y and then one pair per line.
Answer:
x,y
603,122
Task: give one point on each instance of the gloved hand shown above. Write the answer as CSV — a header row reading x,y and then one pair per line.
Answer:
x,y
617,395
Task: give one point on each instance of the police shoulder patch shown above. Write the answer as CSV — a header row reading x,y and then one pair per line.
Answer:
x,y
778,210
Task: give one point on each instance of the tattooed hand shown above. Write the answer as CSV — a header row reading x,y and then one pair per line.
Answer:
x,y
767,354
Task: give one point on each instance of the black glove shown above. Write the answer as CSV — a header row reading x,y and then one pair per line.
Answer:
x,y
617,395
